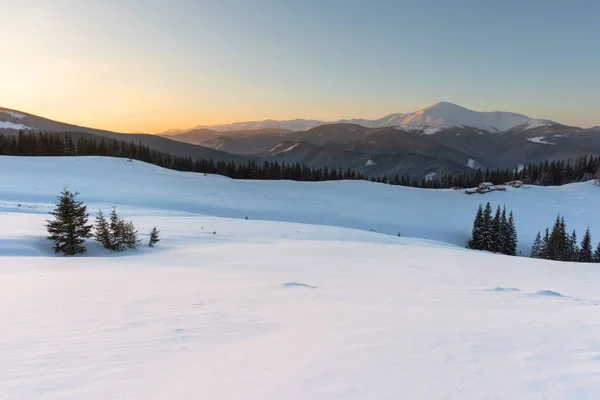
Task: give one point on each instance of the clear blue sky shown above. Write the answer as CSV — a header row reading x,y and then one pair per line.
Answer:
x,y
151,65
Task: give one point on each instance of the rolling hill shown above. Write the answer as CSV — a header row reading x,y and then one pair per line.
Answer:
x,y
314,295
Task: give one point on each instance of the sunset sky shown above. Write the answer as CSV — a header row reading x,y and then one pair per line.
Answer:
x,y
148,66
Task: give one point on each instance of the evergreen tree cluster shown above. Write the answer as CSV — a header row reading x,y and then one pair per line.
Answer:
x,y
547,173
559,245
496,233
115,234
34,143
69,228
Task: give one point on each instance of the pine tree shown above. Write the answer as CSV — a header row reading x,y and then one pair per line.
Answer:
x,y
116,231
545,246
487,239
558,242
504,237
102,234
536,246
563,236
585,253
153,237
572,253
476,241
597,254
69,228
130,235
496,232
511,236
123,235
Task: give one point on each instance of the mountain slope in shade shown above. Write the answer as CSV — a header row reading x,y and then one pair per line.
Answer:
x,y
11,121
429,120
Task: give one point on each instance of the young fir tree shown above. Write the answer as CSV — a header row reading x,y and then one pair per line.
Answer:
x,y
558,243
476,241
535,247
572,248
154,237
116,231
597,254
69,228
564,248
585,253
545,246
504,238
497,232
103,234
130,235
487,239
511,236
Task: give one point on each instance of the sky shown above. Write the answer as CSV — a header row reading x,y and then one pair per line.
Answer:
x,y
149,66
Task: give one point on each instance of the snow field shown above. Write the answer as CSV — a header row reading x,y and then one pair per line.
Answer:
x,y
227,315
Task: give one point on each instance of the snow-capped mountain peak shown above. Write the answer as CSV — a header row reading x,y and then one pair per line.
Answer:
x,y
447,115
429,120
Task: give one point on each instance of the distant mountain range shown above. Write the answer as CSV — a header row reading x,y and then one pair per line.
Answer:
x,y
443,138
429,120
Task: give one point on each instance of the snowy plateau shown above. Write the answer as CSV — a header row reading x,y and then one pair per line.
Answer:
x,y
330,290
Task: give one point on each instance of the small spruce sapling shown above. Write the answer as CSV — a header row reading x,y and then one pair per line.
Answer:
x,y
585,252
102,234
535,247
116,231
130,235
153,237
597,254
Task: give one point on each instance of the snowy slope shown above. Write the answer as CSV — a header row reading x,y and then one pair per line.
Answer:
x,y
12,125
430,120
447,115
274,309
442,215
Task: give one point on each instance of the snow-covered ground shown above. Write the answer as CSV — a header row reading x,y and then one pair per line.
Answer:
x,y
300,301
442,215
540,139
12,125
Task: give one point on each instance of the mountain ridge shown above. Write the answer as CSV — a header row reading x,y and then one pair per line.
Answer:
x,y
430,120
410,149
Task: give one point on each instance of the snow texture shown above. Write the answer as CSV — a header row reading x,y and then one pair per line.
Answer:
x,y
12,125
474,164
13,114
292,147
540,139
227,315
